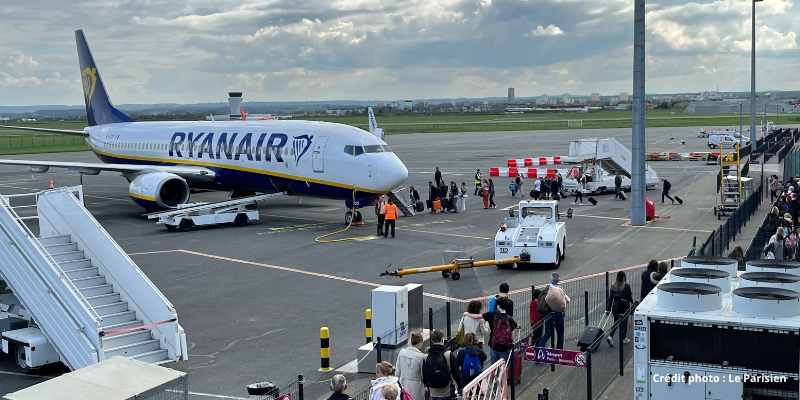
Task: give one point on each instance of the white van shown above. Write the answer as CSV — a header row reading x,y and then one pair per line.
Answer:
x,y
715,140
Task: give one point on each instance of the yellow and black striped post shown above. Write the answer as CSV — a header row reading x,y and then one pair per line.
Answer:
x,y
368,325
325,349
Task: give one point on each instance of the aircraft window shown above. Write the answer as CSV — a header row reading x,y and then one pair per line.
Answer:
x,y
373,149
353,150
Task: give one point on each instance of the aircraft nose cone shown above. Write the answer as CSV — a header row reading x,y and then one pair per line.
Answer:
x,y
395,174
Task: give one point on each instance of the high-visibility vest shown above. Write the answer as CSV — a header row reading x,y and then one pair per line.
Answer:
x,y
391,212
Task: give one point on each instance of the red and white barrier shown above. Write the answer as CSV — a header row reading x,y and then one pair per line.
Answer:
x,y
513,172
491,384
534,161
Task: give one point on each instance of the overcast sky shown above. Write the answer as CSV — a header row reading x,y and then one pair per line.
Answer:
x,y
152,51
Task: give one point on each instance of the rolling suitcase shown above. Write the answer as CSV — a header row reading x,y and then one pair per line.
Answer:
x,y
429,204
419,206
592,336
592,201
516,358
679,200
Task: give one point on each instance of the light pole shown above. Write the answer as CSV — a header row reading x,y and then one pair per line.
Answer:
x,y
638,175
741,131
753,135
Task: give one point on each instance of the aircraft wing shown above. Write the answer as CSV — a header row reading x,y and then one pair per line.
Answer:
x,y
50,130
96,168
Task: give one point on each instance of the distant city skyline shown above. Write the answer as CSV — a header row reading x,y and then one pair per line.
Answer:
x,y
280,50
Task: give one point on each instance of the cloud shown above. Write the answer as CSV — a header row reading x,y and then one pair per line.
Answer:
x,y
194,51
549,30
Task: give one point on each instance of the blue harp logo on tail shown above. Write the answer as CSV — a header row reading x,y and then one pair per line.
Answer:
x,y
300,145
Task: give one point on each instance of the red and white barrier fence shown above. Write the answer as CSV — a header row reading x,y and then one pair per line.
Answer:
x,y
534,161
491,384
513,172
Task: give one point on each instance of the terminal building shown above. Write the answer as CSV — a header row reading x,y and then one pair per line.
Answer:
x,y
709,331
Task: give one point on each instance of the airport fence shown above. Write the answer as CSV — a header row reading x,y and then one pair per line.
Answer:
x,y
717,243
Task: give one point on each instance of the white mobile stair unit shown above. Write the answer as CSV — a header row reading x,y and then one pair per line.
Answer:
x,y
239,211
84,294
612,155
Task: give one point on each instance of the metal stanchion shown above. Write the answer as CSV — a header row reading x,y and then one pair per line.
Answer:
x,y
619,333
447,313
588,374
430,320
378,349
586,308
300,393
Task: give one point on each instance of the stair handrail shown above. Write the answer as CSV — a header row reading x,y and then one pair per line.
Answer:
x,y
53,264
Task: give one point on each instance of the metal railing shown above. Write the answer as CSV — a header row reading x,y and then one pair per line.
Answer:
x,y
717,243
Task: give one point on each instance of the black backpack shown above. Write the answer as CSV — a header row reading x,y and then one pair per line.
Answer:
x,y
435,371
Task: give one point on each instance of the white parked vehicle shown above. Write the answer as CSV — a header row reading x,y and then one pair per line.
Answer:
x,y
716,140
533,233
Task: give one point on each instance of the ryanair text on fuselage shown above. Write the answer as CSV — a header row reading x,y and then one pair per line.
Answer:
x,y
267,147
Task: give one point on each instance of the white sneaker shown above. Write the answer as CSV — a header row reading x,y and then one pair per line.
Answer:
x,y
610,342
626,341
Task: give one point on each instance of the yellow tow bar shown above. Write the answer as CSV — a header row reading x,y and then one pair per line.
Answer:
x,y
452,269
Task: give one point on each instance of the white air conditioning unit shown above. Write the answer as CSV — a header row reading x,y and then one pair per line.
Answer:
x,y
728,265
762,302
777,280
787,267
689,297
715,277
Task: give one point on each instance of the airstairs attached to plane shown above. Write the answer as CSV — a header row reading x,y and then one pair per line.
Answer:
x,y
83,293
404,208
612,155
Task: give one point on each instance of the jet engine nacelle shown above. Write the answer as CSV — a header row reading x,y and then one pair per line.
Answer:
x,y
159,190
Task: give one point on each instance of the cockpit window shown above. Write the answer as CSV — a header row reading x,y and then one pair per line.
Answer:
x,y
353,150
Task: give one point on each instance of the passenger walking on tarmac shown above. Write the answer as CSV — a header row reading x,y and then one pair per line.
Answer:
x,y
436,369
384,376
478,180
469,361
409,366
502,293
557,301
379,212
338,386
491,194
555,189
618,188
663,269
462,197
433,193
665,188
502,325
512,187
647,282
437,177
472,323
620,300
413,195
537,188
545,192
390,217
454,196
485,194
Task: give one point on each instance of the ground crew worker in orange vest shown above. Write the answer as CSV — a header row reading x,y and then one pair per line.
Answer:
x,y
390,216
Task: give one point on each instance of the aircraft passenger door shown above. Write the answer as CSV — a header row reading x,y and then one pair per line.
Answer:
x,y
318,154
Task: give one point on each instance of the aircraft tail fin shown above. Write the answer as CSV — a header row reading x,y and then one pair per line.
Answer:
x,y
99,109
373,124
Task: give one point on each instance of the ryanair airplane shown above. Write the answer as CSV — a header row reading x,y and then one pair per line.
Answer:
x,y
163,161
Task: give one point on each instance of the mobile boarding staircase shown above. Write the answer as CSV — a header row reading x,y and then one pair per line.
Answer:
x,y
612,155
84,293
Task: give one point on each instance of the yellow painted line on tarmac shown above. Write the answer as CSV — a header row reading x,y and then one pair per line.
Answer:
x,y
307,273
